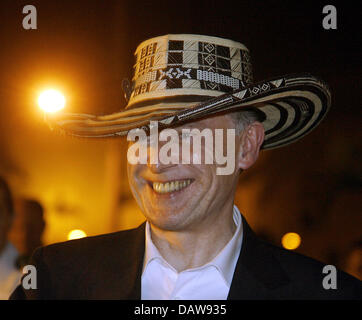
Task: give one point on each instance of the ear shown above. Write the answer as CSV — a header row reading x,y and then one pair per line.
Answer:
x,y
250,142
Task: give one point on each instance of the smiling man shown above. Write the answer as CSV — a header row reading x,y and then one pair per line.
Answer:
x,y
188,207
195,243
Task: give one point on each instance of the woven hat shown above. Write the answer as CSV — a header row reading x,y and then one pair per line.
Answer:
x,y
181,77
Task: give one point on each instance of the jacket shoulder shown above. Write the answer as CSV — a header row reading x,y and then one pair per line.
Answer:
x,y
65,269
79,255
312,279
90,245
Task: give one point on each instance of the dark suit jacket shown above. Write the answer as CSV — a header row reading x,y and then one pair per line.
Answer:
x,y
109,267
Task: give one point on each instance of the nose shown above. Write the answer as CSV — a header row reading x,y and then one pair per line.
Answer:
x,y
155,165
154,159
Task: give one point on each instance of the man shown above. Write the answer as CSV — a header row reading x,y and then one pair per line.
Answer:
x,y
195,244
27,229
9,272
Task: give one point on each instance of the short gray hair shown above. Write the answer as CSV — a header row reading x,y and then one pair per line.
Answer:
x,y
243,118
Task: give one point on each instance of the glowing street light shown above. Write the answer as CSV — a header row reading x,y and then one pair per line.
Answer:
x,y
76,234
51,101
291,240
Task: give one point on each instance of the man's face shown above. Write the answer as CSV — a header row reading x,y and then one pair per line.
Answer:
x,y
202,193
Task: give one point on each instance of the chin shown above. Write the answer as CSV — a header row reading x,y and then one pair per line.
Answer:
x,y
166,221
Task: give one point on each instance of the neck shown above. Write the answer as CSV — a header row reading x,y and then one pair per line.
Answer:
x,y
190,248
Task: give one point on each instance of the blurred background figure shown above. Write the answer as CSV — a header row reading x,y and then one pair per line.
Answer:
x,y
354,260
27,228
9,272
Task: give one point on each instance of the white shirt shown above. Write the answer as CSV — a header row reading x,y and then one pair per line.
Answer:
x,y
9,274
212,281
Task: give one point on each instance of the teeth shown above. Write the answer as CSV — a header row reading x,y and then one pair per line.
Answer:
x,y
170,186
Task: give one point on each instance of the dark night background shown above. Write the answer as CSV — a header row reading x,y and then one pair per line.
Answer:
x,y
85,48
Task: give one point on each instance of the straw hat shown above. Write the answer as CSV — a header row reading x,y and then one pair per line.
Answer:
x,y
182,77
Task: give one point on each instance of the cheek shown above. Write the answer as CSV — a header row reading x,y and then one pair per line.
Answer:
x,y
133,172
200,153
206,181
220,184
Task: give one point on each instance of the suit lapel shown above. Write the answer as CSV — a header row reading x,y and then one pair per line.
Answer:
x,y
258,273
132,268
115,273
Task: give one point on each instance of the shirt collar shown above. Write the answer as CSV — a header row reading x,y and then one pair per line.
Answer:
x,y
151,252
224,262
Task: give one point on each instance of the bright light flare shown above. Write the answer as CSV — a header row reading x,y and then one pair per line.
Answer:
x,y
51,100
291,240
76,234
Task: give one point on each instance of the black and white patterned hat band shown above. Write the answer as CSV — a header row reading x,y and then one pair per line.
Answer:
x,y
189,65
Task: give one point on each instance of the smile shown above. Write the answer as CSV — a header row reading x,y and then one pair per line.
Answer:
x,y
172,186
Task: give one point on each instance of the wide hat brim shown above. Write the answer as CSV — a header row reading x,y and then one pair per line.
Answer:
x,y
289,107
